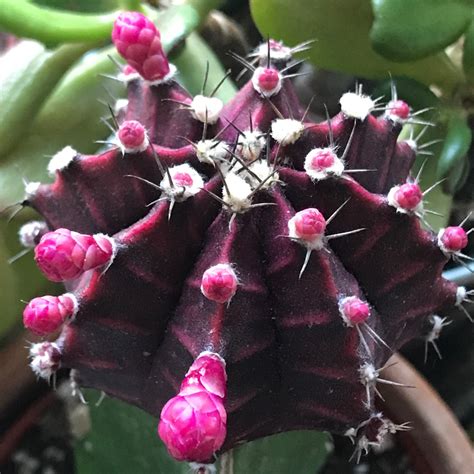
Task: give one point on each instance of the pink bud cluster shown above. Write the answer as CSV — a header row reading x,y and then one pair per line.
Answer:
x,y
308,226
132,136
138,41
452,239
398,109
193,423
219,283
354,310
267,81
64,255
406,198
46,314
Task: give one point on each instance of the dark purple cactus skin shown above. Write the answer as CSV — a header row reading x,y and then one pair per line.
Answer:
x,y
291,361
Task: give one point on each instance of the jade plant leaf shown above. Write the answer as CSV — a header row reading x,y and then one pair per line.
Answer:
x,y
19,281
302,452
71,116
406,30
9,293
93,6
468,56
28,74
452,159
122,440
341,29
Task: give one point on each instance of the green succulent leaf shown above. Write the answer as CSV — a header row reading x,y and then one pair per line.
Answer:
x,y
302,452
123,439
192,68
468,55
341,29
452,159
71,116
406,30
417,95
19,281
28,74
89,6
9,293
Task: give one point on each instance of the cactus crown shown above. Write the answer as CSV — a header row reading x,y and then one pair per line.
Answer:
x,y
237,270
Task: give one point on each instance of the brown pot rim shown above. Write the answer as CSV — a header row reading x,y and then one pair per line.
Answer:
x,y
437,443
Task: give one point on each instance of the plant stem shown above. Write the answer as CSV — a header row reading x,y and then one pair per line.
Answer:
x,y
52,27
131,5
25,19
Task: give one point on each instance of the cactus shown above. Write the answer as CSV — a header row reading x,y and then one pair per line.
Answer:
x,y
237,270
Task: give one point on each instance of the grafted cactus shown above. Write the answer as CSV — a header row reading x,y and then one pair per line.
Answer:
x,y
237,270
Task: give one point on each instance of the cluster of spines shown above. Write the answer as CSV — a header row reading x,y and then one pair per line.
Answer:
x,y
63,255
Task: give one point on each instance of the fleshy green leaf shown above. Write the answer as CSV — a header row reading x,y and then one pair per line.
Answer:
x,y
406,30
28,74
341,30
451,162
468,55
192,67
302,452
71,116
417,95
123,439
92,6
9,293
19,281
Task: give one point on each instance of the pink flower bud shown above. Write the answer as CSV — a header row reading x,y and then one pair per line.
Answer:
x,y
267,81
138,41
398,109
452,239
353,310
406,197
132,136
46,314
183,179
193,423
64,255
322,159
219,283
307,225
208,373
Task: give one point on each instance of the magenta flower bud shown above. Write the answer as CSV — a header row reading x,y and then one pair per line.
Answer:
x,y
321,163
46,314
138,41
193,423
323,159
452,239
132,137
267,81
353,310
208,373
219,283
64,255
399,109
308,226
407,197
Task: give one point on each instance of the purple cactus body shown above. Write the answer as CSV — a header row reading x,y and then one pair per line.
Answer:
x,y
293,359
